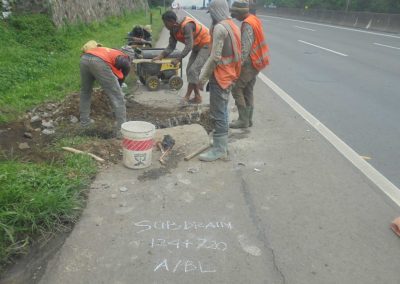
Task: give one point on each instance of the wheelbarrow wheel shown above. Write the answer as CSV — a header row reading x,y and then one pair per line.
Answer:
x,y
175,82
153,83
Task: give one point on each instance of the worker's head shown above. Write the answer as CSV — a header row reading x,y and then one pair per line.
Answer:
x,y
240,10
90,44
219,11
170,19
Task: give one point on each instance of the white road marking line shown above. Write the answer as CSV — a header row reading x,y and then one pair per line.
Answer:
x,y
369,171
304,28
387,46
327,49
330,26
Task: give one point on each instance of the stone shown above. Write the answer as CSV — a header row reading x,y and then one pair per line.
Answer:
x,y
35,118
123,189
73,119
48,123
23,146
28,135
48,131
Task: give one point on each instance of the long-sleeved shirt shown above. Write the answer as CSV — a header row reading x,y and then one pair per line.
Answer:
x,y
188,31
219,35
247,39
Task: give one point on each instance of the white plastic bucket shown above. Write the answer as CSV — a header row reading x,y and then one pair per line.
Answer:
x,y
137,144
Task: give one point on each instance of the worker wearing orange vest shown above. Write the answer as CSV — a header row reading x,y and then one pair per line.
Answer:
x,y
196,38
254,59
109,67
222,69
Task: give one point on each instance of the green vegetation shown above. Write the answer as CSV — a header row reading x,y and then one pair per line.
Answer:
x,y
379,6
41,63
38,199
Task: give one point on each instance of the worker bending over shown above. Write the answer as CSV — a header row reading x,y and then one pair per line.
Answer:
x,y
109,67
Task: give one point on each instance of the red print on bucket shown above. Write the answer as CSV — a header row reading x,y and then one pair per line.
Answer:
x,y
134,145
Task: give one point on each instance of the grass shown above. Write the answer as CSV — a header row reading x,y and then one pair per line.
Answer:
x,y
41,63
39,199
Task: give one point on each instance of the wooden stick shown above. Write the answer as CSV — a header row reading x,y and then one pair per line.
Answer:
x,y
159,144
76,151
195,153
164,155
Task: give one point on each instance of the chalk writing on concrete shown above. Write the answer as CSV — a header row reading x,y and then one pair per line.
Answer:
x,y
183,266
167,225
197,244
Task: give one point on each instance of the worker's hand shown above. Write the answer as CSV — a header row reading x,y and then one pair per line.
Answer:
x,y
159,57
175,61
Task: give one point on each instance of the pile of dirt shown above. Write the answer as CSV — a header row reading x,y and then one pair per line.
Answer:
x,y
30,138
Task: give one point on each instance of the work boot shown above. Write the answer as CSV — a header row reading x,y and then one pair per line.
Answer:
x,y
219,150
243,120
196,100
251,109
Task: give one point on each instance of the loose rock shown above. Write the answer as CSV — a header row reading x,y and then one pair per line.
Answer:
x,y
28,135
48,131
73,119
35,118
48,124
123,189
23,146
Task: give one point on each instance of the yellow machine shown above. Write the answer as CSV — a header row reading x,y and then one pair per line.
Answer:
x,y
152,73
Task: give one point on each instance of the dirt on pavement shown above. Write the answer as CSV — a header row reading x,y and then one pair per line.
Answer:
x,y
31,137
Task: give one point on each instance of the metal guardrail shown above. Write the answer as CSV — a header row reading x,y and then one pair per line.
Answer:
x,y
362,20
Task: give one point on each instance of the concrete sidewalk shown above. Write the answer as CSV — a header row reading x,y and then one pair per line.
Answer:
x,y
287,208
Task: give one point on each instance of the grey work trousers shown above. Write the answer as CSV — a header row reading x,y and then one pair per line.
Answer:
x,y
242,91
196,61
94,68
219,99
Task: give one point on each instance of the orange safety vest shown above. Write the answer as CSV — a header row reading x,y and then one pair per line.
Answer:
x,y
259,50
227,70
108,55
201,35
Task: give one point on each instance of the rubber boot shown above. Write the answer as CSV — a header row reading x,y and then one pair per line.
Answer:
x,y
219,150
251,109
243,120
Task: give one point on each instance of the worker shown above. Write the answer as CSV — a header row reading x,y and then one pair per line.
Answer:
x,y
109,67
196,38
222,69
254,59
140,35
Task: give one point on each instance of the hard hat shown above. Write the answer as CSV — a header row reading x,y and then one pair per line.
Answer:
x,y
147,28
90,44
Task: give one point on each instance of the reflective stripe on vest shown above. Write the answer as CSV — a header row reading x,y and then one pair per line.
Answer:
x,y
227,70
259,50
108,55
201,35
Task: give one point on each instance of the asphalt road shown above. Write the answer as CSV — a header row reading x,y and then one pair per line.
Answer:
x,y
348,79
